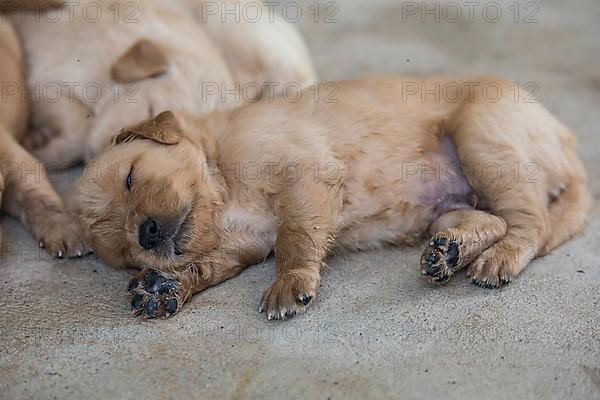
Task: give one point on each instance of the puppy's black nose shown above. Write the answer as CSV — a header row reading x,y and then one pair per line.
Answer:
x,y
151,234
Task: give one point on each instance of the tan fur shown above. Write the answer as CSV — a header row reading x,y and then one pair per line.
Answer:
x,y
24,187
164,61
335,175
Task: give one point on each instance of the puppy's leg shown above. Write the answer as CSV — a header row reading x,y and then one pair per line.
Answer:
x,y
30,197
568,212
163,293
458,238
307,213
493,141
523,205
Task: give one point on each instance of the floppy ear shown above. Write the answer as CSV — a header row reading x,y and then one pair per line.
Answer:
x,y
144,59
164,129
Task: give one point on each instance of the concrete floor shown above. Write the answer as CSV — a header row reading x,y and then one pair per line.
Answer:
x,y
377,330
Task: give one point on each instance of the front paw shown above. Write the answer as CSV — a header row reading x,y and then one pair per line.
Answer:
x,y
289,295
60,236
155,294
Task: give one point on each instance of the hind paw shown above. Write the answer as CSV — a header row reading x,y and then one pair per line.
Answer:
x,y
441,257
496,266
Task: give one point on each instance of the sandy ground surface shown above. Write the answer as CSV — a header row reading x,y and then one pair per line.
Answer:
x,y
377,330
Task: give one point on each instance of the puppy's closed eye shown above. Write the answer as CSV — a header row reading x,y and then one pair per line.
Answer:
x,y
129,180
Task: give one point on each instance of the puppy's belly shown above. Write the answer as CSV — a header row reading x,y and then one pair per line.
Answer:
x,y
395,203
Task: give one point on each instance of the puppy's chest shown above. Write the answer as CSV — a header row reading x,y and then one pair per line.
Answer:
x,y
251,227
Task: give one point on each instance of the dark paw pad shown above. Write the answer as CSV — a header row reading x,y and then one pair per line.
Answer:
x,y
137,303
157,283
171,306
452,255
154,294
440,258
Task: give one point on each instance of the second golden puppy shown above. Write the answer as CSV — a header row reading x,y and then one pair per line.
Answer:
x,y
25,191
494,180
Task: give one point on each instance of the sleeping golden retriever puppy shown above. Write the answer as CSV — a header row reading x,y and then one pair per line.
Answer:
x,y
101,65
25,191
193,202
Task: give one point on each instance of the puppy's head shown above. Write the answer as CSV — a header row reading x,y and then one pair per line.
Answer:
x,y
147,199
